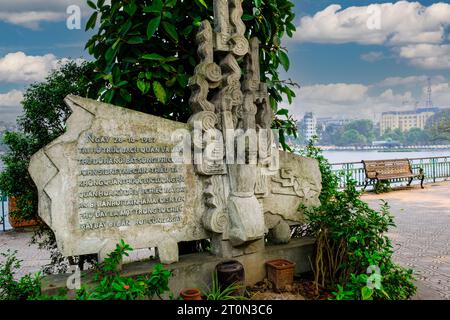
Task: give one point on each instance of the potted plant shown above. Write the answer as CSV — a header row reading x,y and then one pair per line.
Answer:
x,y
16,222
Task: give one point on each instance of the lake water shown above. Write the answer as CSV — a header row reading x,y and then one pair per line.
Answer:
x,y
357,156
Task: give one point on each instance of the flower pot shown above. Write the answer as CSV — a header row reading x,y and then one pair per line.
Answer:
x,y
15,222
281,273
191,294
231,272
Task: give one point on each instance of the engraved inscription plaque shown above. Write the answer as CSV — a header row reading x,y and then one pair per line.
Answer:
x,y
111,176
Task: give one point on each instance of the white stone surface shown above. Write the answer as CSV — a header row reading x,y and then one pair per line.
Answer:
x,y
70,183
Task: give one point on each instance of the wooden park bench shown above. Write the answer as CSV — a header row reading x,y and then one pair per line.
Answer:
x,y
385,170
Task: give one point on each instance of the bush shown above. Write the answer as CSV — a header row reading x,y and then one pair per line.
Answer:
x,y
353,255
112,286
27,287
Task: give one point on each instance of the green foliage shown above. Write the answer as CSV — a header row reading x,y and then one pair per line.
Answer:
x,y
145,52
27,287
112,286
382,187
358,132
216,292
350,239
439,126
42,121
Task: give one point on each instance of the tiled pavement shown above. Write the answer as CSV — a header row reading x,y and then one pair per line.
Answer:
x,y
33,258
422,237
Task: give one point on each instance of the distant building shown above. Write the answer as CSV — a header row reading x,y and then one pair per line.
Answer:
x,y
309,126
406,120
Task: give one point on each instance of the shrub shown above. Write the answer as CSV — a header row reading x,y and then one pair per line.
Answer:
x,y
27,287
353,254
112,286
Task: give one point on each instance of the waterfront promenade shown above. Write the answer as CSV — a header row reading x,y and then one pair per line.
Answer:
x,y
422,237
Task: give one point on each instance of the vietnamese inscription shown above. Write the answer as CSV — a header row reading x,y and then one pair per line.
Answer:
x,y
127,181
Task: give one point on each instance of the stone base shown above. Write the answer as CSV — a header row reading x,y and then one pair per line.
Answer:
x,y
195,270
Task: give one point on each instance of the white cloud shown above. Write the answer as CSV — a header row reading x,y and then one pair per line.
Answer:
x,y
365,101
334,93
11,99
373,56
30,14
402,22
10,106
18,67
427,56
408,81
31,19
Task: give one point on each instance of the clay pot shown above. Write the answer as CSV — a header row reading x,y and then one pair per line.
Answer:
x,y
191,294
281,273
14,222
229,273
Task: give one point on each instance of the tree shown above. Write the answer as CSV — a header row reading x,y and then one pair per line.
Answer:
x,y
145,52
439,126
364,127
416,136
394,135
352,137
332,134
42,121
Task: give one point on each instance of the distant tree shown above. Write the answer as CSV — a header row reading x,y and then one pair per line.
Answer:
x,y
439,126
364,127
331,135
352,138
43,119
394,135
417,136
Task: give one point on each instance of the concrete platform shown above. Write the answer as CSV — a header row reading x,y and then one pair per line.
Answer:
x,y
195,270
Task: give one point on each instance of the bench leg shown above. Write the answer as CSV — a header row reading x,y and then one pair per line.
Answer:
x,y
422,178
365,186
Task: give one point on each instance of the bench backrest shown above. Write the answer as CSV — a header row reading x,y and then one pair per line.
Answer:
x,y
386,167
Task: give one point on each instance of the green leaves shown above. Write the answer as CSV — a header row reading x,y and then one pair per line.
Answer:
x,y
152,26
156,7
159,92
91,4
158,37
130,8
171,30
143,86
284,60
91,22
153,56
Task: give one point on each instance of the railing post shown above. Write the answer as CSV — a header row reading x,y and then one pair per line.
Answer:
x,y
3,212
433,164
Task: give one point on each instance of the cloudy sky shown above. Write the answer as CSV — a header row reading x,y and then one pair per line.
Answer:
x,y
352,58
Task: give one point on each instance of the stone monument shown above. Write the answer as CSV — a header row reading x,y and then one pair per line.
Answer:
x,y
120,174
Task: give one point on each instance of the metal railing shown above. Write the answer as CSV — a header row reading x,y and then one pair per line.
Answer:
x,y
435,169
3,208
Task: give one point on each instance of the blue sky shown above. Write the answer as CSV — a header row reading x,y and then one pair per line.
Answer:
x,y
352,58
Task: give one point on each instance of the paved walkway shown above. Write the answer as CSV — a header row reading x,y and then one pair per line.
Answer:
x,y
33,258
422,237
